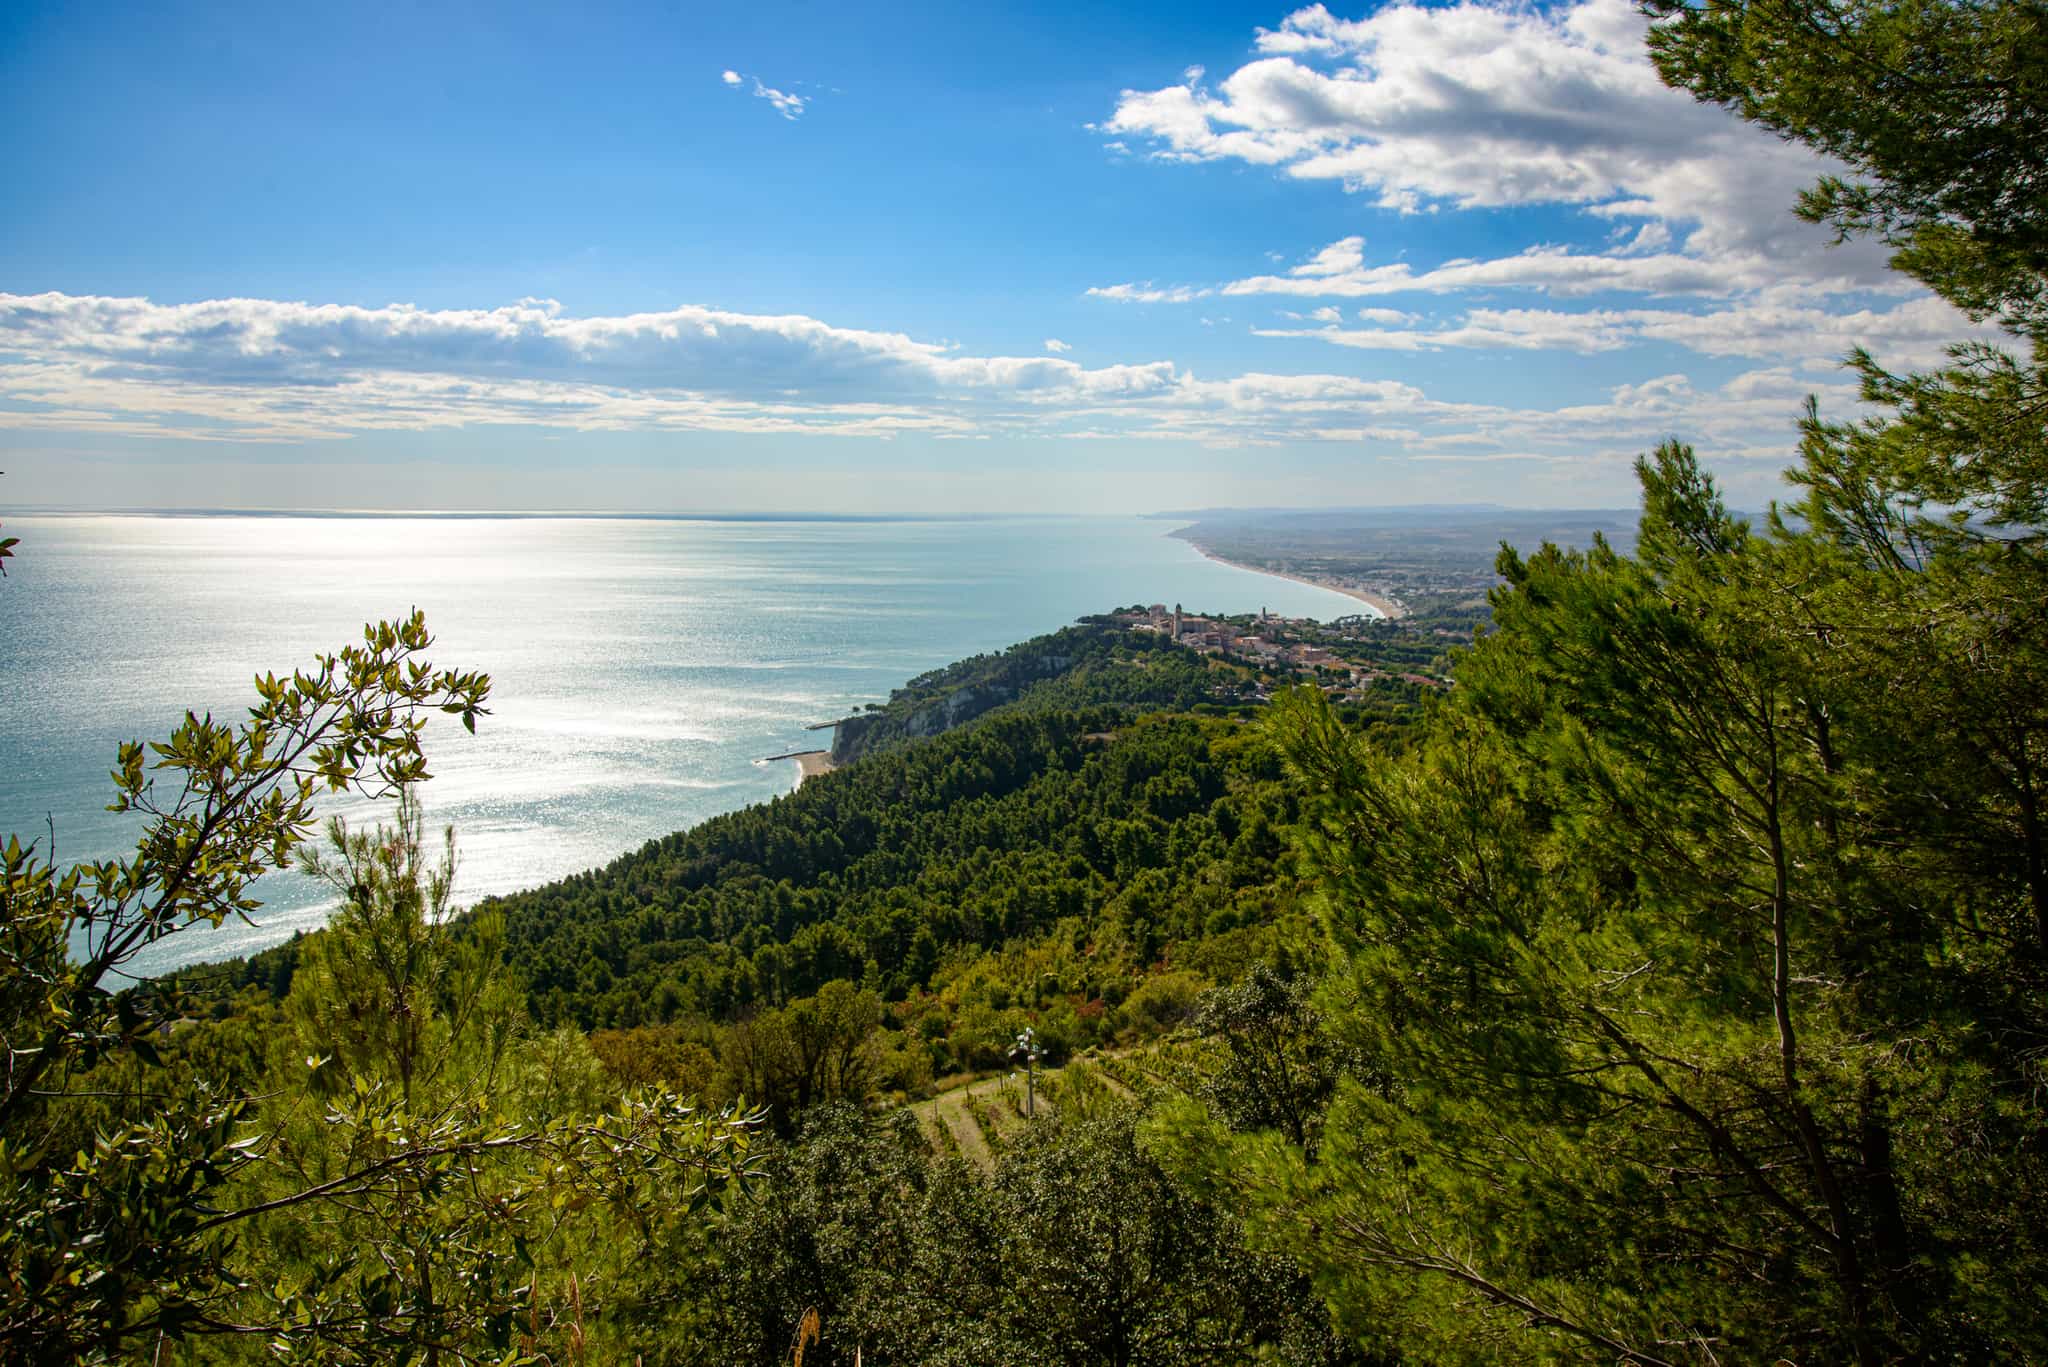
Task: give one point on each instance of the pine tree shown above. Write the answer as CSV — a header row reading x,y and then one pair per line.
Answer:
x,y
1695,959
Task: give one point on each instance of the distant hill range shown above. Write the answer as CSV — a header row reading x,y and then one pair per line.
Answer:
x,y
1427,518
1396,510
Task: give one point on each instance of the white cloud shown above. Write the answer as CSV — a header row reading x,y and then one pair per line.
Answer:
x,y
1686,239
253,370
1503,329
1341,258
1487,104
789,106
1648,237
1911,335
1770,326
1148,293
1552,270
1056,346
277,370
1677,231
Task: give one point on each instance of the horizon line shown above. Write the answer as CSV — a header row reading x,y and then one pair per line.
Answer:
x,y
764,515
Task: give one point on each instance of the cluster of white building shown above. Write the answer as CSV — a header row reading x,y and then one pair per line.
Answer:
x,y
1214,636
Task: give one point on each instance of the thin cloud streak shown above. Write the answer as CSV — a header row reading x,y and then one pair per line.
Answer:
x,y
1914,334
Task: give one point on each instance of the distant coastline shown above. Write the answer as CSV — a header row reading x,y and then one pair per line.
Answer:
x,y
1386,607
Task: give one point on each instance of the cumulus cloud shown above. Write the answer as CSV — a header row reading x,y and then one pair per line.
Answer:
x,y
279,371
1676,228
1341,258
1647,237
1056,346
1490,104
272,369
789,106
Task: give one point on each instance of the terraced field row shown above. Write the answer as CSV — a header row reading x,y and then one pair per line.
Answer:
x,y
977,1120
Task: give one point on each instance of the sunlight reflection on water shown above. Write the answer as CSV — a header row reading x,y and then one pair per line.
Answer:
x,y
640,668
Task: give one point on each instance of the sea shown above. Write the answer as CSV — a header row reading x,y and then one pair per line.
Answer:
x,y
642,668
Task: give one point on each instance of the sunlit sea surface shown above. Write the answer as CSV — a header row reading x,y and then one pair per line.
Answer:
x,y
641,669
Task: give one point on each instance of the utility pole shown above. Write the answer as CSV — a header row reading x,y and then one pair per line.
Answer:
x,y
1026,1048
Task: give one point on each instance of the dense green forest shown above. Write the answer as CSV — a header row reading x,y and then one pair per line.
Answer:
x,y
1085,665
1111,843
1671,989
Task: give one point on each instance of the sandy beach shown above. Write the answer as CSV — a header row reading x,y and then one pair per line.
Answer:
x,y
809,763
1386,607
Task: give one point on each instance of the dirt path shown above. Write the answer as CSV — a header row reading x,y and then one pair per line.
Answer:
x,y
927,1115
951,1110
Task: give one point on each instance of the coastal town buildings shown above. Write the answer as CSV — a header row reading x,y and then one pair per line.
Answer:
x,y
1338,656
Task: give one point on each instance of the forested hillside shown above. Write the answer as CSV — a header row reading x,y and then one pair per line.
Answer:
x,y
1129,837
1090,664
1089,874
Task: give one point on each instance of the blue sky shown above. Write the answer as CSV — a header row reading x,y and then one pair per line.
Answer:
x,y
923,259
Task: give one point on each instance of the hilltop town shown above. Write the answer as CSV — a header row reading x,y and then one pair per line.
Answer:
x,y
1348,658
